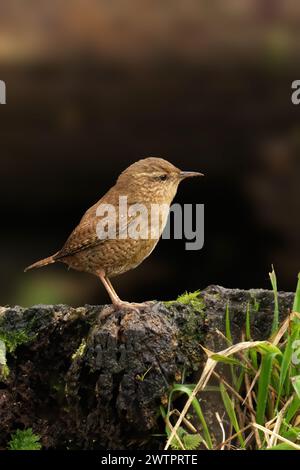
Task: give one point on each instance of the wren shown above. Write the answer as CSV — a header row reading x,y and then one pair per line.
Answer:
x,y
146,182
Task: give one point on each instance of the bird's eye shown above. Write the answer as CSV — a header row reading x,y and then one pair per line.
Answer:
x,y
163,177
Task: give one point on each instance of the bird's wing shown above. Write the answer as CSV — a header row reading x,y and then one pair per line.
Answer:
x,y
85,235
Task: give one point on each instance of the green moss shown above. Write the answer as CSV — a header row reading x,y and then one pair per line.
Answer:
x,y
24,440
16,330
193,299
80,350
9,341
14,338
4,372
192,324
191,327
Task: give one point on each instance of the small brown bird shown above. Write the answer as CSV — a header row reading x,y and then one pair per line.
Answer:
x,y
145,182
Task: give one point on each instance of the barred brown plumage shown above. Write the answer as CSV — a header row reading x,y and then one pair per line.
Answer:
x,y
148,181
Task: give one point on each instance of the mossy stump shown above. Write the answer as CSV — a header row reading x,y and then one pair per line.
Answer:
x,y
93,378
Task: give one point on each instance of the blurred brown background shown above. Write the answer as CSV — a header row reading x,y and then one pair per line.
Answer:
x,y
93,86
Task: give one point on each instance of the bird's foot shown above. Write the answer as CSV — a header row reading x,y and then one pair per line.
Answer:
x,y
130,306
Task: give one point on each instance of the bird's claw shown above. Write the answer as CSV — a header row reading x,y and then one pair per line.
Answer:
x,y
130,306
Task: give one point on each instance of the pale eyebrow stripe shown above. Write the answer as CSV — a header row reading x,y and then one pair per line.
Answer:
x,y
154,173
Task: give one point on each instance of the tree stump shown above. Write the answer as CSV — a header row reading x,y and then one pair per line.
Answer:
x,y
93,378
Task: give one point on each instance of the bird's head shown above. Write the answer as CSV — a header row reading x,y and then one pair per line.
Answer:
x,y
153,179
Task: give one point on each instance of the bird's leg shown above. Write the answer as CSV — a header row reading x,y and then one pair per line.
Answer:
x,y
122,302
116,301
112,288
109,288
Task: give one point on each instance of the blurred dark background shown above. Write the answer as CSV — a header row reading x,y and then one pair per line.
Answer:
x,y
93,86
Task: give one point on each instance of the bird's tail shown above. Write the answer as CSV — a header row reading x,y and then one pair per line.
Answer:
x,y
42,262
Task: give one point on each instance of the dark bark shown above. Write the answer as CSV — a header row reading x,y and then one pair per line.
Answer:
x,y
76,376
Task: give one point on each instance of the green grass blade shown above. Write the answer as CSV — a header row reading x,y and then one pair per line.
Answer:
x,y
227,324
292,409
263,386
296,384
284,367
286,362
229,339
252,354
275,323
227,360
253,358
231,413
196,405
240,380
282,446
248,329
268,348
291,433
296,305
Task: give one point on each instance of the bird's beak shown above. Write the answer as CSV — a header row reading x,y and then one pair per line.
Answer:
x,y
189,174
